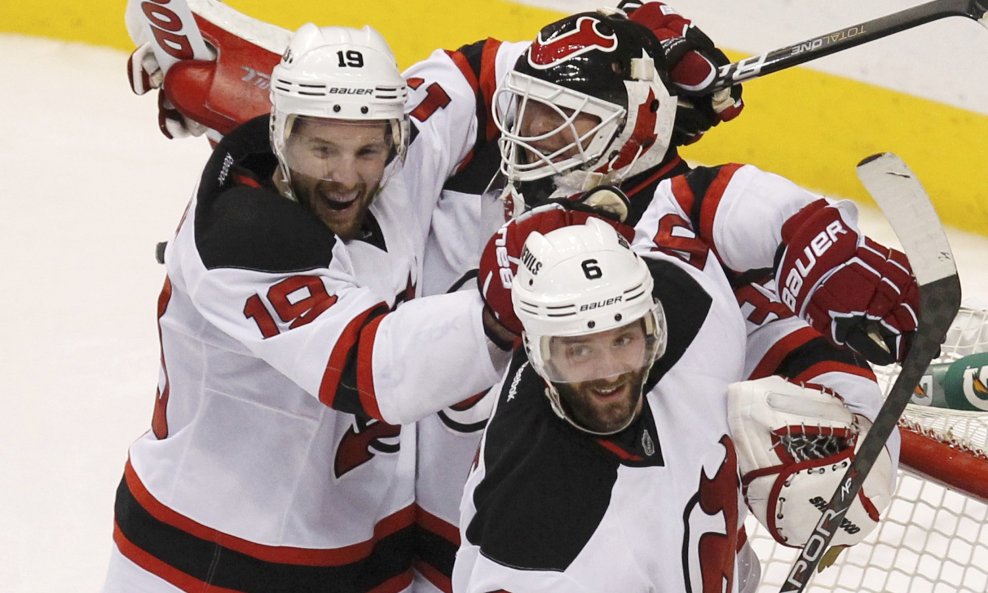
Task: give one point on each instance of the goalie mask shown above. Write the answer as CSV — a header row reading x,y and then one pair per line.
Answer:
x,y
586,104
343,87
592,328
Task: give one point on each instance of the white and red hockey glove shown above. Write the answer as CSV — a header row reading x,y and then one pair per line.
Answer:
x,y
500,258
211,94
693,60
794,444
855,291
145,75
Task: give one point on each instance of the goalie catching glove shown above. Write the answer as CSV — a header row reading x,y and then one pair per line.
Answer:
x,y
794,444
853,290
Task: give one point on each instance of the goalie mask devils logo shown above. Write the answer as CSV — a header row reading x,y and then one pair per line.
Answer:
x,y
560,47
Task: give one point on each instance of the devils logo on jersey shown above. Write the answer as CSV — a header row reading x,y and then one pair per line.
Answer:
x,y
711,537
546,53
362,440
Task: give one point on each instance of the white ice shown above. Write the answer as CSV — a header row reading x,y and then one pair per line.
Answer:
x,y
91,186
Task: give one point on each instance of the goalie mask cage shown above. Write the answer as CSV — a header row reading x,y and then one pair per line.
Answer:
x,y
934,536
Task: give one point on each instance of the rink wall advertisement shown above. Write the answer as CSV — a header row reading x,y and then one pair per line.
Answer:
x,y
922,93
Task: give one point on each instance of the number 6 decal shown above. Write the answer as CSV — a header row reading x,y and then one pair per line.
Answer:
x,y
590,269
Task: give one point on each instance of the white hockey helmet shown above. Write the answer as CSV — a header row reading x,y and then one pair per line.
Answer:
x,y
591,63
577,281
337,73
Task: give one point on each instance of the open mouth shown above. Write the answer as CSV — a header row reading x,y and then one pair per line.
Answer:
x,y
608,392
336,201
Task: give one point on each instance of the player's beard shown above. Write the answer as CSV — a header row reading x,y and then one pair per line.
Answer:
x,y
592,404
341,208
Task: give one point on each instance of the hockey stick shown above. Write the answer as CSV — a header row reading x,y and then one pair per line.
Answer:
x,y
908,209
824,45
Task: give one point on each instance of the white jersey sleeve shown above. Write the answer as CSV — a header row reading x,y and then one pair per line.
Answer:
x,y
322,312
738,210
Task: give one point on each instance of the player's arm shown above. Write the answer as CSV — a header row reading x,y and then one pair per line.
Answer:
x,y
294,303
852,289
459,84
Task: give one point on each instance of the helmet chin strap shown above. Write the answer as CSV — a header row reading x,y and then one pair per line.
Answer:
x,y
283,183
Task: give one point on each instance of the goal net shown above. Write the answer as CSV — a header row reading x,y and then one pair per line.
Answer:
x,y
934,536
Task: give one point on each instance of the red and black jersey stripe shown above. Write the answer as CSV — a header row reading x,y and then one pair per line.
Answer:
x,y
476,62
811,355
348,382
194,557
436,542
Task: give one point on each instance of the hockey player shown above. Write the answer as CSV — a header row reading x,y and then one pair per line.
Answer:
x,y
611,460
799,351
585,118
277,459
446,89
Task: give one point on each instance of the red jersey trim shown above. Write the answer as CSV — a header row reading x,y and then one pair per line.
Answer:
x,y
488,83
830,366
389,525
163,570
365,368
341,354
780,350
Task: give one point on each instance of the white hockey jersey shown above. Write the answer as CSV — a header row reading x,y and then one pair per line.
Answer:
x,y
462,222
276,461
654,508
778,341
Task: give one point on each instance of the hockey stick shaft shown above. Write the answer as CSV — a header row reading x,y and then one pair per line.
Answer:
x,y
824,45
916,224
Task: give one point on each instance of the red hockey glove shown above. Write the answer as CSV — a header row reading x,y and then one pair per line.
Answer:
x,y
499,260
145,75
853,290
693,60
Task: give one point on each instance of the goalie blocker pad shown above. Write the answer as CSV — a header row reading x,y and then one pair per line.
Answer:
x,y
794,444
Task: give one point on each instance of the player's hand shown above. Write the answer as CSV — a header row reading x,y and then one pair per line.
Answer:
x,y
693,61
145,75
852,289
499,260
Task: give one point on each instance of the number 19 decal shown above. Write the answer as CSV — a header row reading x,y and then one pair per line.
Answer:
x,y
350,59
297,301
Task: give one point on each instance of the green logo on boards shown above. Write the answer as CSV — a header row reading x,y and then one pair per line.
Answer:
x,y
965,384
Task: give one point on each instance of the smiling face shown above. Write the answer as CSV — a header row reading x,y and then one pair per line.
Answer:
x,y
602,376
553,136
336,168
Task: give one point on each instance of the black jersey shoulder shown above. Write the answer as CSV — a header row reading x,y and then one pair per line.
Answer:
x,y
545,488
686,304
641,187
250,225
